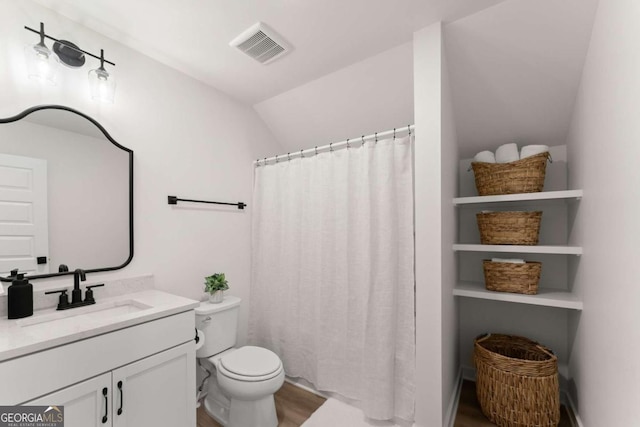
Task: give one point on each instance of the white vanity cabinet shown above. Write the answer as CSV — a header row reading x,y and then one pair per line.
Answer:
x,y
87,404
138,372
158,391
155,392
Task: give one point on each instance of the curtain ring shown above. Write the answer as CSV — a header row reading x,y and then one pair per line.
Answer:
x,y
394,134
316,150
376,136
276,158
363,140
301,154
409,127
289,157
331,147
265,161
258,162
348,146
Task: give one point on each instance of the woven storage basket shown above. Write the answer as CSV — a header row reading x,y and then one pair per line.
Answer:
x,y
510,277
509,228
516,381
521,176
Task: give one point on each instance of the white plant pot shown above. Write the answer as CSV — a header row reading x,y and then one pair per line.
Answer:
x,y
216,297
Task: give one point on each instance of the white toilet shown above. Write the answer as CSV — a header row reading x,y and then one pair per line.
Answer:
x,y
243,381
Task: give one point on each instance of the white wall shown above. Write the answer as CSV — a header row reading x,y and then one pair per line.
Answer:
x,y
436,183
449,224
603,152
188,139
369,96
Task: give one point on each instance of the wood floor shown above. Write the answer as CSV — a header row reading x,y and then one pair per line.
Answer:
x,y
293,406
470,415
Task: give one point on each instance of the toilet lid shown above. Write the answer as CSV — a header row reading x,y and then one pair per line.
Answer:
x,y
251,361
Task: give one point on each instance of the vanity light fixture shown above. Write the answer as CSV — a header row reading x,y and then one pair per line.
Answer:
x,y
43,64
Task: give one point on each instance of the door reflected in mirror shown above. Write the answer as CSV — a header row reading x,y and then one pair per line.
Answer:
x,y
65,195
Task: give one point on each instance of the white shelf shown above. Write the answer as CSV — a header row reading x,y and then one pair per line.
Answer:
x,y
558,250
545,297
543,195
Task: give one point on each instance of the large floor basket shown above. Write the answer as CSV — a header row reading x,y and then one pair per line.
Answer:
x,y
517,381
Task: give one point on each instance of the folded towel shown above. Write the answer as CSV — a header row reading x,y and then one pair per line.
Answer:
x,y
532,150
509,260
485,157
507,153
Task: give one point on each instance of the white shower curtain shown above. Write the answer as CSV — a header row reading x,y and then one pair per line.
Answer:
x,y
332,288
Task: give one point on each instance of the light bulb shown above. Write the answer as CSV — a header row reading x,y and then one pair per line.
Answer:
x,y
103,85
41,63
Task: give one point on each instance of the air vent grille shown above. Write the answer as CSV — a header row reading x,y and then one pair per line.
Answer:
x,y
261,43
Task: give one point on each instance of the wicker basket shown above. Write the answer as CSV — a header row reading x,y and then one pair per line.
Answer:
x,y
516,381
510,277
521,176
509,228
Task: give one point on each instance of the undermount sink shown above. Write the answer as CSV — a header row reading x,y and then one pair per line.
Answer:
x,y
91,313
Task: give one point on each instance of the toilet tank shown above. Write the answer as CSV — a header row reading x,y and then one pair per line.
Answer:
x,y
219,325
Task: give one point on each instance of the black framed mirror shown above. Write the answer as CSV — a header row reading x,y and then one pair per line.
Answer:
x,y
66,195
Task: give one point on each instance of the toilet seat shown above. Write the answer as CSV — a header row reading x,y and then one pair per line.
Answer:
x,y
250,364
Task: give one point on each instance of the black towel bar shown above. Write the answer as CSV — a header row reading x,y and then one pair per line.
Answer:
x,y
173,200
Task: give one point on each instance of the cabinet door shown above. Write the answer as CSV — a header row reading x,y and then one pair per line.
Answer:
x,y
158,391
86,404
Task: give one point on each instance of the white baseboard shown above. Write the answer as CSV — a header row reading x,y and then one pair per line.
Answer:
x,y
450,416
468,373
573,416
305,385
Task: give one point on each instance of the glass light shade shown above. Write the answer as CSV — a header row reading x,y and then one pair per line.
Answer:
x,y
102,84
41,63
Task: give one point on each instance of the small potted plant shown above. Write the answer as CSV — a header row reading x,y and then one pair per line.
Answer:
x,y
215,285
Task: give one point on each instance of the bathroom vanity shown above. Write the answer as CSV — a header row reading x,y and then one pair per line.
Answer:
x,y
128,360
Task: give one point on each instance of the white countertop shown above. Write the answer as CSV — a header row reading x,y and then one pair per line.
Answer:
x,y
19,337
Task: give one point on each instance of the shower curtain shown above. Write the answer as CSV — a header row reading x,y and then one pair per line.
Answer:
x,y
332,289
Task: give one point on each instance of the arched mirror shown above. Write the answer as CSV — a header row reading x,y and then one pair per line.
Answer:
x,y
66,195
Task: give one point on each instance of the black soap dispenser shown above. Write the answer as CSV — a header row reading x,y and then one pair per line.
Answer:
x,y
20,297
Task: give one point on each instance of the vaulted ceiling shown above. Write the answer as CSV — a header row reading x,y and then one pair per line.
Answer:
x,y
193,35
514,65
515,70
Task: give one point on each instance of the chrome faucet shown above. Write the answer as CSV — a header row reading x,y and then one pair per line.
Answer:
x,y
79,275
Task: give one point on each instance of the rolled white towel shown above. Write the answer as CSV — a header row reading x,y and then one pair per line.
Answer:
x,y
507,153
485,157
509,260
532,150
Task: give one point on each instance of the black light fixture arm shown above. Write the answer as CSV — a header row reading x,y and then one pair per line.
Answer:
x,y
173,200
43,35
41,32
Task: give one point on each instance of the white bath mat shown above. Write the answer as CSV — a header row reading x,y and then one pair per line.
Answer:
x,y
334,413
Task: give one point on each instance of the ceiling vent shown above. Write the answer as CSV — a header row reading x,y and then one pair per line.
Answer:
x,y
261,43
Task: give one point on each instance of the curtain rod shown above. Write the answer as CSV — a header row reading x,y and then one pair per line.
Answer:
x,y
335,145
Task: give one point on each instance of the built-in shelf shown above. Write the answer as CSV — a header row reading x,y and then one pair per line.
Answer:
x,y
544,297
522,249
543,195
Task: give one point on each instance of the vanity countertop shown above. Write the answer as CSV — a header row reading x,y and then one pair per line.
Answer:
x,y
50,328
